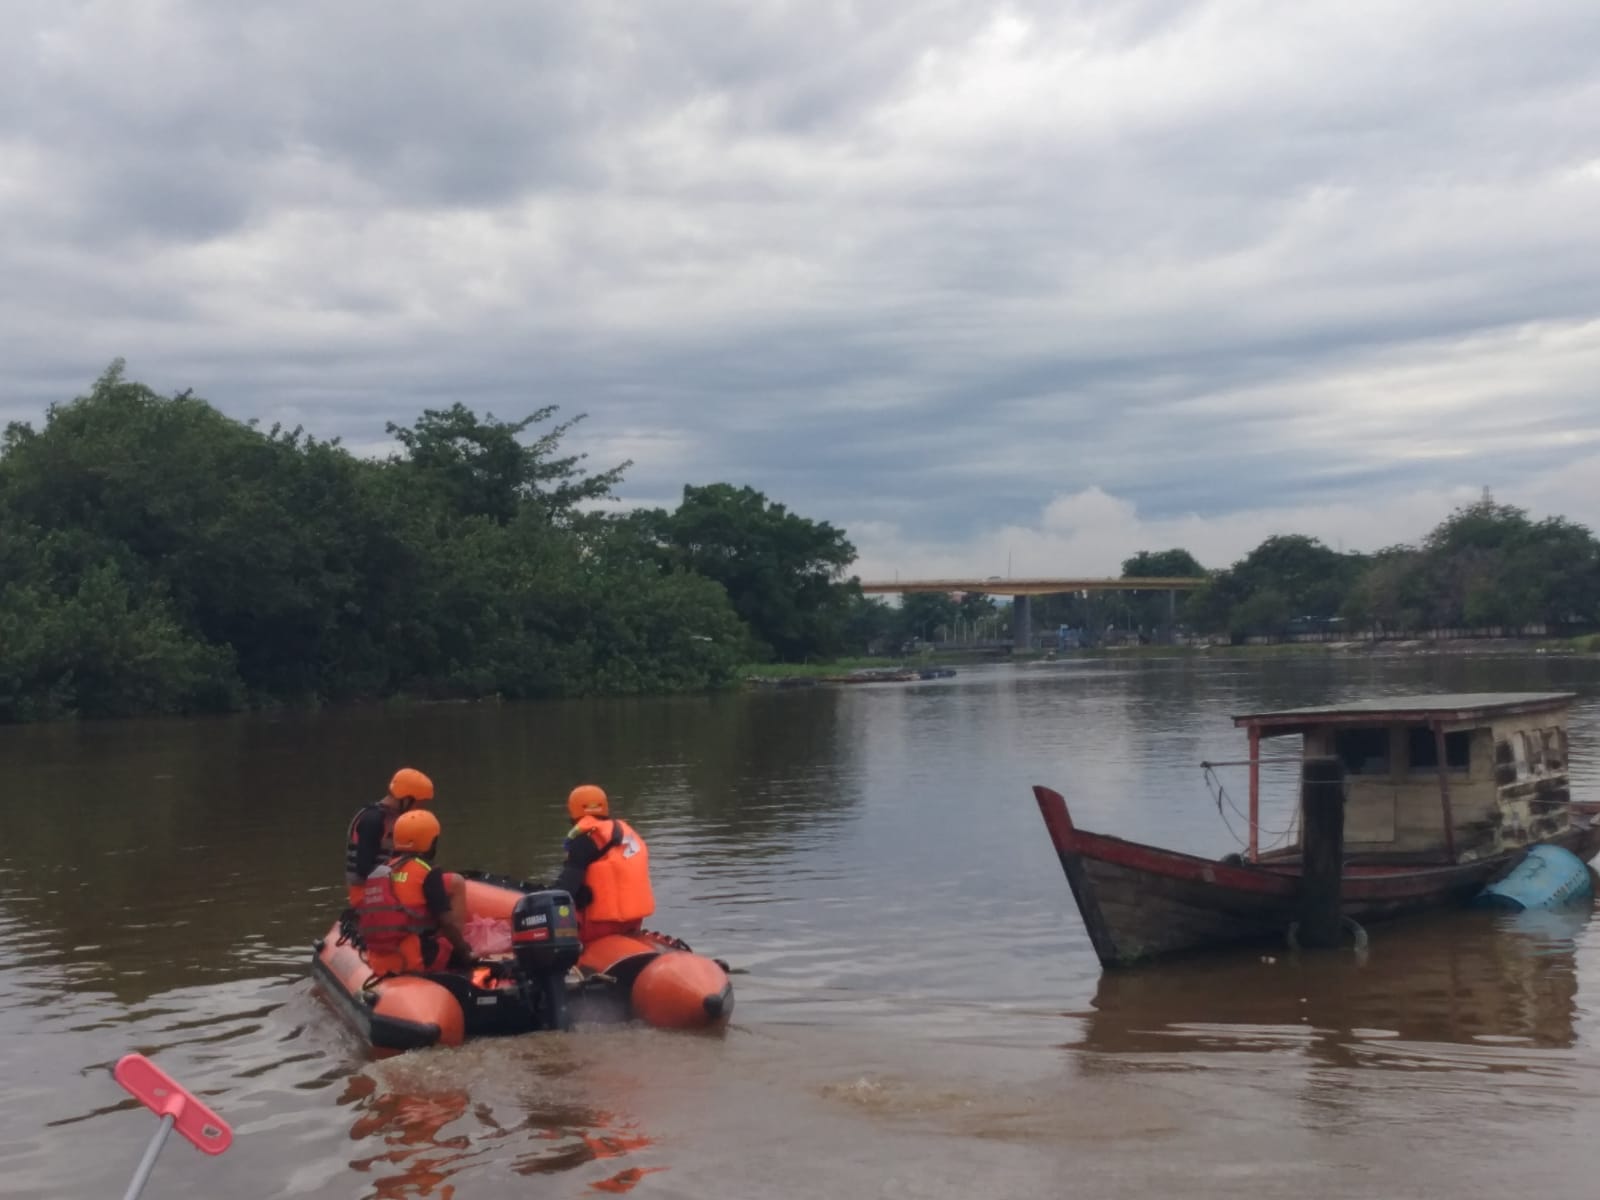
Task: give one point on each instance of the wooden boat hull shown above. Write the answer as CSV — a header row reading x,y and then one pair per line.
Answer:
x,y
1140,902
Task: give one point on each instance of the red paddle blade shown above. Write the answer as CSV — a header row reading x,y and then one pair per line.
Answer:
x,y
164,1096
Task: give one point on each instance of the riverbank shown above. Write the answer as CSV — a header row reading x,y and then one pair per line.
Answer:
x,y
815,670
1588,644
1585,645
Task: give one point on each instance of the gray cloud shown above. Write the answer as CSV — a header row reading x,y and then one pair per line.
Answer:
x,y
908,266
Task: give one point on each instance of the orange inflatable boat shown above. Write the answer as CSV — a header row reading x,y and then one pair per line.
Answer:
x,y
546,980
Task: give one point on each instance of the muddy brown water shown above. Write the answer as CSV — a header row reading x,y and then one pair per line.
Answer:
x,y
919,1013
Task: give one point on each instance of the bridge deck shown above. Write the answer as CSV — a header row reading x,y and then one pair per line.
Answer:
x,y
1035,586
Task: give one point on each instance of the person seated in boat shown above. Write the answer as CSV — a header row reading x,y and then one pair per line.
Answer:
x,y
607,867
371,837
412,915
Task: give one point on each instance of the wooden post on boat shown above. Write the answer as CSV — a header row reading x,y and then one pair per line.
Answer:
x,y
1444,792
1322,842
1255,793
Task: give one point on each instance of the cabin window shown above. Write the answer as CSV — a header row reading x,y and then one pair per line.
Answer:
x,y
1422,751
1555,749
1532,752
1363,751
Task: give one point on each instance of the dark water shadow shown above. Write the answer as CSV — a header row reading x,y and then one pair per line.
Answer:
x,y
1475,981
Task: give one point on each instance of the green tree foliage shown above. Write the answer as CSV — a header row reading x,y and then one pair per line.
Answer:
x,y
157,556
1388,594
481,468
1288,578
871,627
1486,565
1489,564
1310,577
102,648
927,616
1153,610
1162,564
783,573
976,606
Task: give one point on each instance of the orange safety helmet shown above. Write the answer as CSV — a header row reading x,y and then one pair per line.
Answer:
x,y
587,800
411,784
416,831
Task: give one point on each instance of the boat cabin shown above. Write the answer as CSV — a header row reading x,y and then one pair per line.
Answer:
x,y
1434,778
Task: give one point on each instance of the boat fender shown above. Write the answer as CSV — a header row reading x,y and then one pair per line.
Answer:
x,y
1358,935
1548,877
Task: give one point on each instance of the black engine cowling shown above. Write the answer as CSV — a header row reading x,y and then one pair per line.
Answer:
x,y
544,941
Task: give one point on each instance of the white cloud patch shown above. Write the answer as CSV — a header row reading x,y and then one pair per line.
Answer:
x,y
910,266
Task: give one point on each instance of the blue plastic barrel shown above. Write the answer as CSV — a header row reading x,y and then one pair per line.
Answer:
x,y
1549,877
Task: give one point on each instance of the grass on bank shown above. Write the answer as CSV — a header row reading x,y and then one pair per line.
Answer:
x,y
812,670
1588,643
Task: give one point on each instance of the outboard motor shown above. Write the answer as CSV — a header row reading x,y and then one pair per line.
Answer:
x,y
544,939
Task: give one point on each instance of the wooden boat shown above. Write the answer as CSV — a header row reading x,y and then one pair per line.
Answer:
x,y
1443,795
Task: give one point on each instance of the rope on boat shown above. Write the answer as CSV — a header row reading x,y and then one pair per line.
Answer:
x,y
350,931
1220,794
1358,935
1284,760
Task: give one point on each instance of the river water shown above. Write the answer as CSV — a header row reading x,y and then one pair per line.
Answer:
x,y
919,1013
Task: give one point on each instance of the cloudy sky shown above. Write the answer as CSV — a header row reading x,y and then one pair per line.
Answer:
x,y
1041,283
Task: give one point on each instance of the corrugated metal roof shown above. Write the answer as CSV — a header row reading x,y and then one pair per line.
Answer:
x,y
1462,706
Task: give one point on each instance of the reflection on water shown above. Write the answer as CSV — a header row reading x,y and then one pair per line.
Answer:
x,y
919,1011
1463,979
146,853
420,1137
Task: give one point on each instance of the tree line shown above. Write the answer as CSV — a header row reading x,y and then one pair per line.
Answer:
x,y
157,556
1485,566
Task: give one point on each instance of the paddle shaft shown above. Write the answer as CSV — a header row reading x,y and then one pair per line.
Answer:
x,y
147,1164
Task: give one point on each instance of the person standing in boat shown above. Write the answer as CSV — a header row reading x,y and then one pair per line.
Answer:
x,y
607,867
411,915
371,837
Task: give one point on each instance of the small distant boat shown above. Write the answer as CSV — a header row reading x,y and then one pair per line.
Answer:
x,y
875,675
1443,795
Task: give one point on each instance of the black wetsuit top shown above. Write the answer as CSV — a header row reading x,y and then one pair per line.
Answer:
x,y
365,849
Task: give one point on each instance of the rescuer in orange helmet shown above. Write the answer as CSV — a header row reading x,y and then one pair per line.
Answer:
x,y
411,914
607,867
370,839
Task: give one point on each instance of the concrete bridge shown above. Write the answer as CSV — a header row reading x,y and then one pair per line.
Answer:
x,y
1022,589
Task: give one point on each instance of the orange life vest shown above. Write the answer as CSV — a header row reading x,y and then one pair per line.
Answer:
x,y
392,907
619,880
